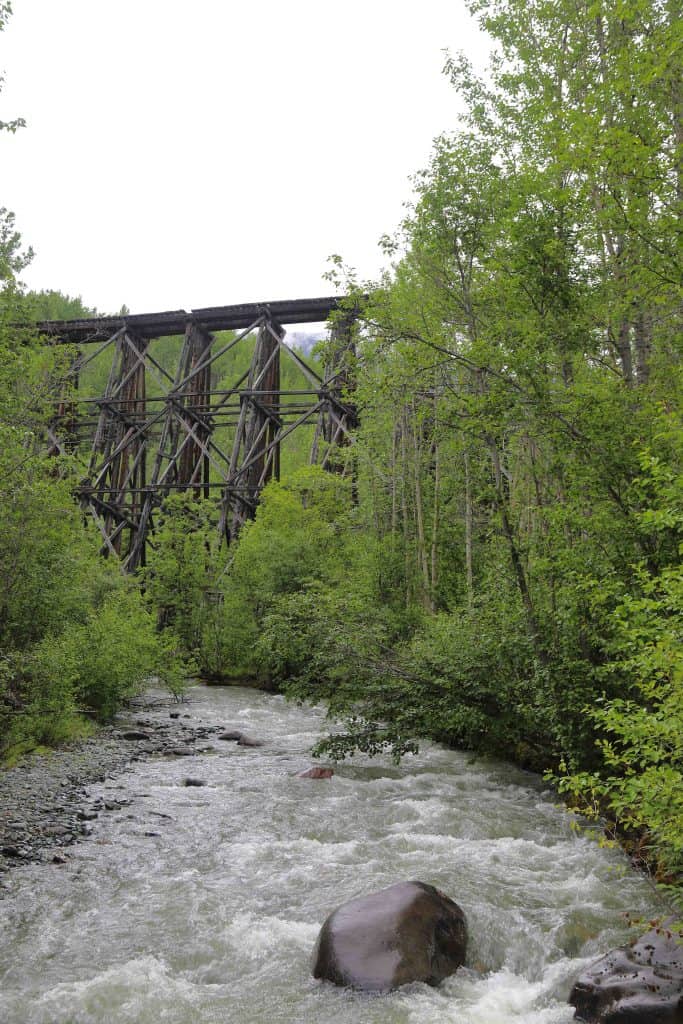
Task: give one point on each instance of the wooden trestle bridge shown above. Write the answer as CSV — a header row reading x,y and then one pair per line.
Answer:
x,y
147,442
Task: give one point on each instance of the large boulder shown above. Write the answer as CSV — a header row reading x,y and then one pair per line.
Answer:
x,y
408,932
637,984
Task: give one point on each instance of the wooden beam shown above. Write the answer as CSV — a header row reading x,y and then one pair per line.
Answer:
x,y
212,318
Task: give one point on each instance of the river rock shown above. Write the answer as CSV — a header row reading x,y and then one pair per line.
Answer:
x,y
134,734
408,932
637,984
248,741
193,782
316,772
11,851
232,734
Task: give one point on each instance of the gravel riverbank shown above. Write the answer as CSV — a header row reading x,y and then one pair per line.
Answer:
x,y
44,800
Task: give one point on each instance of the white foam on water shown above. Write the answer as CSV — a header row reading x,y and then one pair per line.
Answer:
x,y
255,937
215,918
502,997
139,991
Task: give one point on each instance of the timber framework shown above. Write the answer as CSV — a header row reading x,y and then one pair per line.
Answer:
x,y
155,430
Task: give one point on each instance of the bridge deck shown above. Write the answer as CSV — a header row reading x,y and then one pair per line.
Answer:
x,y
213,318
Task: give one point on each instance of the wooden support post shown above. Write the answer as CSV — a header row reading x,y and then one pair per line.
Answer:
x,y
118,458
62,429
185,434
190,414
256,449
337,417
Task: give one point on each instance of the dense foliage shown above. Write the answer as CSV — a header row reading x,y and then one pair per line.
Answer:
x,y
75,634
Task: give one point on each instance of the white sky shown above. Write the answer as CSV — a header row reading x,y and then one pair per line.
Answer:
x,y
181,155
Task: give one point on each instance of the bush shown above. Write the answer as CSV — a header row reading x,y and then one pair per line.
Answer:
x,y
98,664
300,534
639,780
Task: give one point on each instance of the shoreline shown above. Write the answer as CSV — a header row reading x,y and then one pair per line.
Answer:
x,y
44,803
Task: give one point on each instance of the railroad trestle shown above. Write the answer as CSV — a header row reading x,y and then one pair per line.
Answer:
x,y
153,431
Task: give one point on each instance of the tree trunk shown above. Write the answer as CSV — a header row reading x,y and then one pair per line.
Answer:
x,y
469,571
419,517
435,522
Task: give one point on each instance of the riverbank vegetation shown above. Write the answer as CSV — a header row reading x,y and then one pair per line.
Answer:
x,y
75,635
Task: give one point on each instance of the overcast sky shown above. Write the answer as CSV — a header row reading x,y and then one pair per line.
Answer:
x,y
182,155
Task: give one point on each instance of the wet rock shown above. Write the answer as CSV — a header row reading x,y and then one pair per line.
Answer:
x,y
59,858
408,932
637,984
174,714
87,815
193,782
233,734
133,734
179,752
316,772
248,741
56,830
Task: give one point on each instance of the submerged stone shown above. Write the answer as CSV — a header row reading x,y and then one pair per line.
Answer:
x,y
316,772
408,932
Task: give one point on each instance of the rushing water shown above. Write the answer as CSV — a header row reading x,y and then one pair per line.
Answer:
x,y
212,916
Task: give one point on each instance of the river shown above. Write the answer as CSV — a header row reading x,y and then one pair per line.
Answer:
x,y
210,914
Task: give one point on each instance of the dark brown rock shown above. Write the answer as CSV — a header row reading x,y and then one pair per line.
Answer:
x,y
637,984
408,932
316,773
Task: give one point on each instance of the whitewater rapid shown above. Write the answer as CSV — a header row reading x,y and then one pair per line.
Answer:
x,y
202,905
